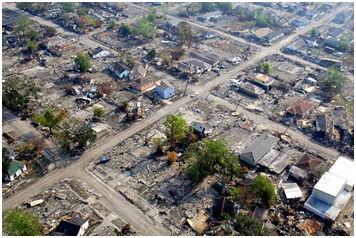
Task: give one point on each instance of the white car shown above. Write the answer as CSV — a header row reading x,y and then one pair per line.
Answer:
x,y
194,95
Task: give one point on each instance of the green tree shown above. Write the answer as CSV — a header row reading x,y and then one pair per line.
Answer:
x,y
265,190
130,60
151,17
208,157
6,161
314,31
125,30
99,112
261,19
177,53
332,82
344,43
145,28
67,6
176,129
151,54
23,25
243,225
32,46
18,92
74,134
30,149
112,24
66,18
50,31
51,117
207,6
185,32
166,60
16,222
264,67
164,10
225,7
83,61
32,35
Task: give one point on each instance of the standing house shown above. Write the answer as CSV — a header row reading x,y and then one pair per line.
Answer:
x,y
300,108
164,90
211,61
139,79
16,168
119,69
258,149
202,128
261,33
262,80
250,89
98,53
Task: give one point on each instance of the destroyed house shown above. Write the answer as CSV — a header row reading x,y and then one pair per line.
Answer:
x,y
9,18
210,16
74,227
55,41
333,36
204,59
305,167
300,21
251,89
171,24
119,69
320,125
343,17
222,206
339,116
99,52
273,36
300,108
258,149
296,46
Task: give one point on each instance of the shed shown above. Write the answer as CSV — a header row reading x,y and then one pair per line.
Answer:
x,y
291,190
15,169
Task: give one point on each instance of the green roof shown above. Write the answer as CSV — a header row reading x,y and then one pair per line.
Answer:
x,y
14,167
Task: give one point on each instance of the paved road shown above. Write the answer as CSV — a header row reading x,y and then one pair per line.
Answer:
x,y
110,198
301,139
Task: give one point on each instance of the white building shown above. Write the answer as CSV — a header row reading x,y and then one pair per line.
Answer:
x,y
333,191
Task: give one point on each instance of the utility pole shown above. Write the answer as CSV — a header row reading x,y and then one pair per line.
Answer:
x,y
238,104
185,90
